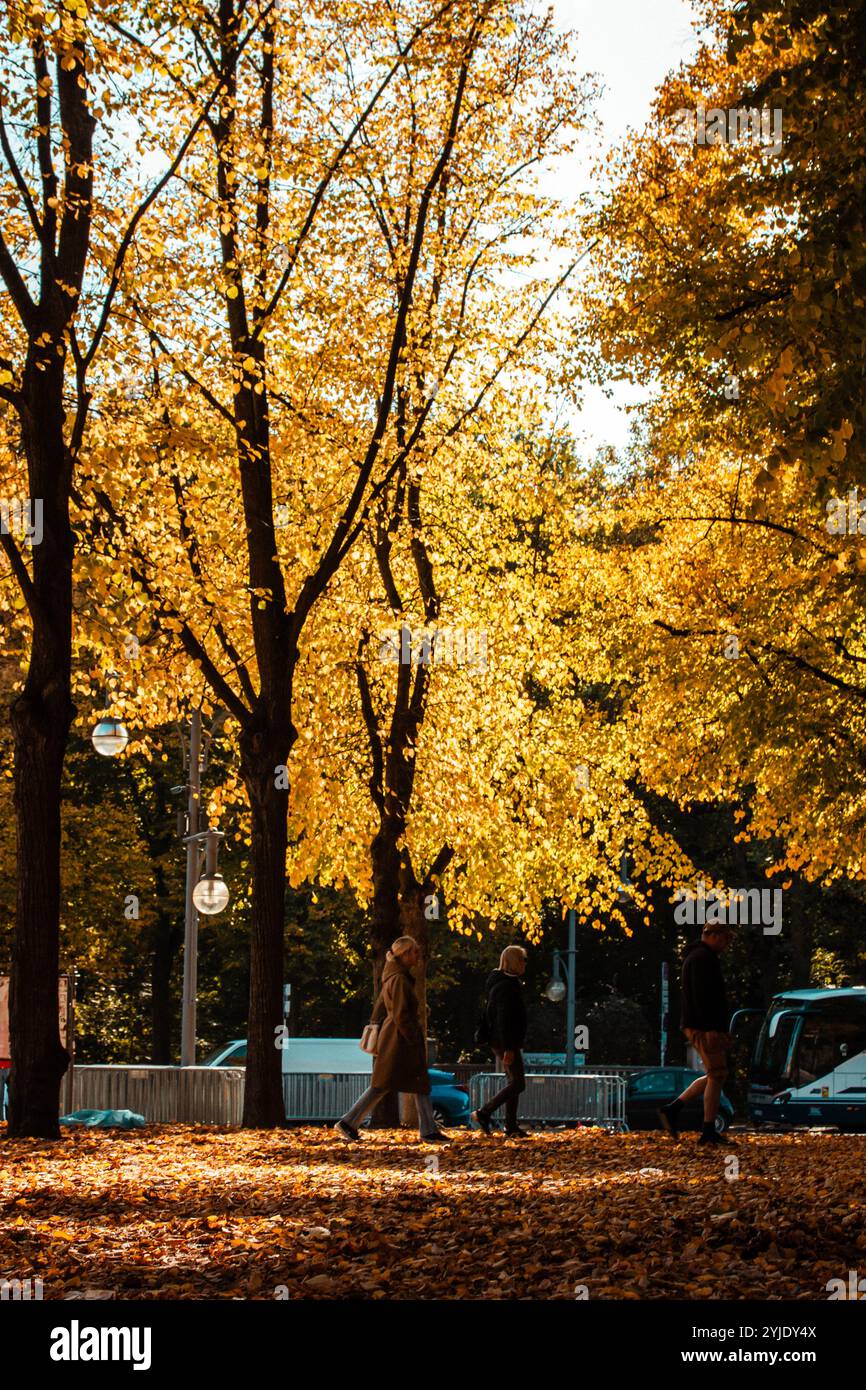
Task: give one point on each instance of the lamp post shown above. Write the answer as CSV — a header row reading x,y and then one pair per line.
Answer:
x,y
190,922
665,1006
557,990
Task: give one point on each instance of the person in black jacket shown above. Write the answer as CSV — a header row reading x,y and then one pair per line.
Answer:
x,y
704,1021
505,1018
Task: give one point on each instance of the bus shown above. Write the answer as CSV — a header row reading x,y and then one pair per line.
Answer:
x,y
808,1064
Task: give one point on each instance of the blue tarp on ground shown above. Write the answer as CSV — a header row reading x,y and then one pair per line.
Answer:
x,y
104,1119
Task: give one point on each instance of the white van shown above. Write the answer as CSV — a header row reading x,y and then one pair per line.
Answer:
x,y
320,1056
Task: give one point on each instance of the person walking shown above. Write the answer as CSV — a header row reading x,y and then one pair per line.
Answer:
x,y
401,1048
704,1021
504,1023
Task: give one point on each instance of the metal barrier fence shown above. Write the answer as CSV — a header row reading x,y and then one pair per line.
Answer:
x,y
624,1071
561,1099
317,1097
625,1074
195,1095
464,1071
215,1095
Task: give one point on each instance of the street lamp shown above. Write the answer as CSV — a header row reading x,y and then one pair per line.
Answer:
x,y
210,894
110,737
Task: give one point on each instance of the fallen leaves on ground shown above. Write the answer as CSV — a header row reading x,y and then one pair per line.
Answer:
x,y
183,1211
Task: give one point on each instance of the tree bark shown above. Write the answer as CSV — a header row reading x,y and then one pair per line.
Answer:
x,y
41,719
413,923
385,923
384,928
263,1094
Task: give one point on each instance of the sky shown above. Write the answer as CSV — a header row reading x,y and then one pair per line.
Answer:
x,y
630,45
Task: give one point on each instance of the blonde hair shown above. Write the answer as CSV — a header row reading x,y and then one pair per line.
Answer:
x,y
400,946
509,955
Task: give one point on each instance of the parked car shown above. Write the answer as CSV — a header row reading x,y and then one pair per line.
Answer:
x,y
450,1101
334,1055
647,1090
233,1054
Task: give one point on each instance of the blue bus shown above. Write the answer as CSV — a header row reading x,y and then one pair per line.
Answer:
x,y
808,1064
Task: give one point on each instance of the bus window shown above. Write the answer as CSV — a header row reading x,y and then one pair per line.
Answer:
x,y
816,1055
774,1044
827,1042
848,1037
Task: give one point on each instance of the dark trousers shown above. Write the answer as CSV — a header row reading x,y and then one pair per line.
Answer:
x,y
515,1084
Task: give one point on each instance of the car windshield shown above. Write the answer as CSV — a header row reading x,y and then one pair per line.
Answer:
x,y
652,1083
211,1058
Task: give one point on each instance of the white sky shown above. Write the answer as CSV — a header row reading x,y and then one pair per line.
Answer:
x,y
630,45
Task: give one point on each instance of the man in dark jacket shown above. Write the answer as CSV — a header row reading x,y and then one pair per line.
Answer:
x,y
705,1017
505,1017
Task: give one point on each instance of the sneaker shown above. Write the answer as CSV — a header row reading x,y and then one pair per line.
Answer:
x,y
347,1132
437,1138
483,1121
667,1118
517,1133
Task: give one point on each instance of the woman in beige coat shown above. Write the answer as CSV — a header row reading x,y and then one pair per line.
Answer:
x,y
401,1050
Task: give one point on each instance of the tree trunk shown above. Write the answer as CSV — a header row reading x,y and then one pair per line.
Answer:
x,y
39,1061
263,1094
385,927
41,719
414,923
